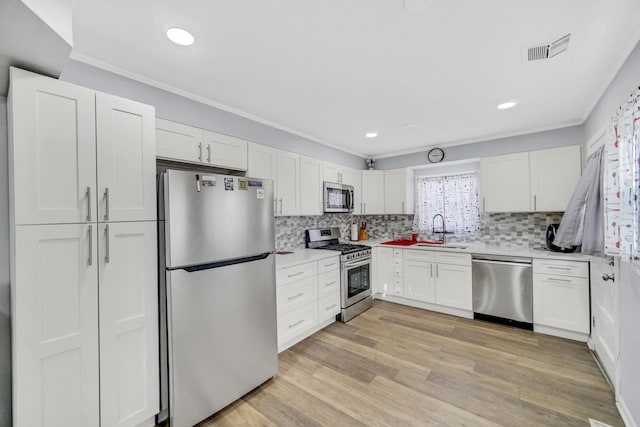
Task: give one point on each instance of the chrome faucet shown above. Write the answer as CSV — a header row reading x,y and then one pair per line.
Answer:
x,y
433,227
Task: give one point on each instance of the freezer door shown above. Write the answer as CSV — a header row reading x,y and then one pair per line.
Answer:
x,y
222,336
212,217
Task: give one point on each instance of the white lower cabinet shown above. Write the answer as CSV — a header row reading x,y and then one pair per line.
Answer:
x,y
453,286
69,279
419,278
561,297
308,298
128,323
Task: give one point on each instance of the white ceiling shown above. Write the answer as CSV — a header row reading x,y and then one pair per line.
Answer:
x,y
331,70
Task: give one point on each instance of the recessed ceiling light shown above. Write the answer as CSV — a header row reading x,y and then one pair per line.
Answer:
x,y
371,134
507,105
180,36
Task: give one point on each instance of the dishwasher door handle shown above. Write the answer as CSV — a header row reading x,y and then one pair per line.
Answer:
x,y
486,261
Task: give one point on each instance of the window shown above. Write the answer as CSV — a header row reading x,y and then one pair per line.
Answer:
x,y
453,196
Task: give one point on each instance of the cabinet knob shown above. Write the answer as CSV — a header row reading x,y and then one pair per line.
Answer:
x,y
606,277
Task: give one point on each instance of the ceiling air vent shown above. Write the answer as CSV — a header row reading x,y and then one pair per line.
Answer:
x,y
550,50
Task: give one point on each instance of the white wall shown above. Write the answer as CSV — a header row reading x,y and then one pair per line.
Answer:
x,y
625,82
5,307
515,144
180,109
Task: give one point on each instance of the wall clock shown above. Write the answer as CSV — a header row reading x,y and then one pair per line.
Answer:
x,y
435,155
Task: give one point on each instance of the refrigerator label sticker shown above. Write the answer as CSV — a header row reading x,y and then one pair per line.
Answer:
x,y
208,181
255,183
242,184
228,183
260,193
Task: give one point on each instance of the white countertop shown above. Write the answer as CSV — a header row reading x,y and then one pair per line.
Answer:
x,y
476,248
300,256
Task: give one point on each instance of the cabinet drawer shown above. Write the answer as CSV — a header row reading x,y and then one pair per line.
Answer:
x,y
418,255
297,272
560,267
453,258
329,283
397,252
397,262
297,321
397,272
294,295
328,307
328,264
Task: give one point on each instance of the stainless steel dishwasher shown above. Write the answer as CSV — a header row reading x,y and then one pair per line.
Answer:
x,y
503,289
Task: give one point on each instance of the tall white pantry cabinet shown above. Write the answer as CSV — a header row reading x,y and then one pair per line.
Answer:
x,y
83,256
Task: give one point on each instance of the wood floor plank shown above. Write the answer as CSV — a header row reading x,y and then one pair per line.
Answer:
x,y
401,366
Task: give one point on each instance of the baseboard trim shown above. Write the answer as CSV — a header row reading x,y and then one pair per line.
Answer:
x,y
425,305
625,414
562,333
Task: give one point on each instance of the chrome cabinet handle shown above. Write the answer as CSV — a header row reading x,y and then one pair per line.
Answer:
x,y
280,205
296,274
296,296
293,325
107,251
364,207
88,196
106,204
437,271
484,205
329,265
431,270
535,202
200,152
90,260
555,279
326,285
330,307
208,153
275,206
402,210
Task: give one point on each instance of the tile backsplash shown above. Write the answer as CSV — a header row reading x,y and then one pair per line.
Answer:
x,y
499,229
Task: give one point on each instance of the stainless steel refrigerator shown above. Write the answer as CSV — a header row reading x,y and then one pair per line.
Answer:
x,y
217,291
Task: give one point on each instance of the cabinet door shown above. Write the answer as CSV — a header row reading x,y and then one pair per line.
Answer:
x,y
383,274
55,326
262,161
356,176
561,302
126,159
311,172
225,151
175,141
395,190
129,387
373,192
331,172
419,280
554,176
288,188
52,150
504,183
453,286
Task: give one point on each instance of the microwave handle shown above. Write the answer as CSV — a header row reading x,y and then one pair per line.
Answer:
x,y
350,200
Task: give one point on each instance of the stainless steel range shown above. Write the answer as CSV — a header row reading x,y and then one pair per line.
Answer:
x,y
355,268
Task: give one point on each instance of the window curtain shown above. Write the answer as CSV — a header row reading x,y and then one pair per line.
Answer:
x,y
622,182
453,196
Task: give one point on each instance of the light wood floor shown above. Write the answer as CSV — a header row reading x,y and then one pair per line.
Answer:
x,y
399,366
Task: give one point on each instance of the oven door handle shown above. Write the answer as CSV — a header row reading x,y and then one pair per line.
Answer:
x,y
358,263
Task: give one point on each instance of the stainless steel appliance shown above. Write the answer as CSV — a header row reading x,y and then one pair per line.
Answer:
x,y
217,292
503,289
338,197
355,268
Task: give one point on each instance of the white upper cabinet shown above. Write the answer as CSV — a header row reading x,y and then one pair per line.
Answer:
x,y
126,159
183,143
357,191
262,161
225,151
52,150
288,188
504,183
373,193
175,141
555,173
536,181
128,323
398,191
311,189
337,173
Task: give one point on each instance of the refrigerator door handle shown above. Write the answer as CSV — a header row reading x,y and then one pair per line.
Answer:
x,y
218,264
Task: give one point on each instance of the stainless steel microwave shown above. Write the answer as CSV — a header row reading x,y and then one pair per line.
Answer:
x,y
338,197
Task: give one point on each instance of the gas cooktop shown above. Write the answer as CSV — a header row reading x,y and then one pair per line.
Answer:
x,y
344,248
